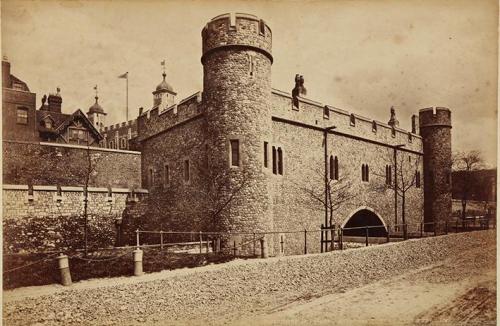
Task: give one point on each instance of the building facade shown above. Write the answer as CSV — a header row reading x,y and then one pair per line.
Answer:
x,y
241,156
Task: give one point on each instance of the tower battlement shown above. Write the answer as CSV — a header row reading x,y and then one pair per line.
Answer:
x,y
435,117
237,31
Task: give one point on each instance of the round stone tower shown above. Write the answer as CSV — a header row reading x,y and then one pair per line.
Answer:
x,y
236,95
435,129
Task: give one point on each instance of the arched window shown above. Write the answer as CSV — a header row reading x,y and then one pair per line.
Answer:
x,y
388,174
362,172
280,161
367,173
336,161
332,168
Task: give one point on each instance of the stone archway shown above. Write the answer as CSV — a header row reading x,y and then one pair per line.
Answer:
x,y
364,216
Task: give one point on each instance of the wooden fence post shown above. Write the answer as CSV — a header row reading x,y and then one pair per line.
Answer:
x,y
234,248
322,238
388,232
161,240
254,246
305,242
341,239
366,234
201,245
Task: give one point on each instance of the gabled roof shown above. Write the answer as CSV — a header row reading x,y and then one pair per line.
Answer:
x,y
62,121
16,80
78,114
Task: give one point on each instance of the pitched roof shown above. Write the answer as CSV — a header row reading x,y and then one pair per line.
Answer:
x,y
62,121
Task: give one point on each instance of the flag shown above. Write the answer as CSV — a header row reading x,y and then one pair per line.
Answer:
x,y
125,75
163,63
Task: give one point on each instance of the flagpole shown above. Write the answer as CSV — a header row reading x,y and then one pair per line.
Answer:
x,y
127,96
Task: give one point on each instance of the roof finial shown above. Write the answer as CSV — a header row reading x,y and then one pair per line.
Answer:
x,y
393,121
96,92
163,64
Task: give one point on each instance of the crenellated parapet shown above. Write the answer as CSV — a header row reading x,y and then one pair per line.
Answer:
x,y
237,31
316,114
152,122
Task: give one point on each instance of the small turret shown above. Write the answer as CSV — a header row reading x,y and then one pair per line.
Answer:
x,y
96,113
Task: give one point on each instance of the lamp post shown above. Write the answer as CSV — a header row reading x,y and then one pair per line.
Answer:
x,y
396,147
325,133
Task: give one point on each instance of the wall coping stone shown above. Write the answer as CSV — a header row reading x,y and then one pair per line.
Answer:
x,y
47,188
15,187
93,148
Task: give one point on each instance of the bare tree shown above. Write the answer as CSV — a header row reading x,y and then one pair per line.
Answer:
x,y
404,168
465,163
329,195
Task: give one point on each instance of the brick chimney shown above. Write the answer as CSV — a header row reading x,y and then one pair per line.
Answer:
x,y
6,81
414,124
55,101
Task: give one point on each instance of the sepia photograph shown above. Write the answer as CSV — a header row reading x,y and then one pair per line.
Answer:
x,y
280,162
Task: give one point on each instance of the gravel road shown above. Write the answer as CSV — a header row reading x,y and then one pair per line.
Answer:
x,y
236,291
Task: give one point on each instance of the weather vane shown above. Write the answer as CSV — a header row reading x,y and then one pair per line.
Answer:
x,y
95,88
163,64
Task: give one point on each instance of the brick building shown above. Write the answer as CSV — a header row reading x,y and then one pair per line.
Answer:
x,y
242,156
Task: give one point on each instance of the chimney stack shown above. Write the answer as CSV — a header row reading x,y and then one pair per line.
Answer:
x,y
55,102
414,124
6,81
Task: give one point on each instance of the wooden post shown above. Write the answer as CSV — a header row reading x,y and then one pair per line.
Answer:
x,y
137,238
421,229
341,239
217,245
366,234
263,248
388,231
321,238
207,243
305,242
63,264
161,240
254,246
234,248
435,228
201,245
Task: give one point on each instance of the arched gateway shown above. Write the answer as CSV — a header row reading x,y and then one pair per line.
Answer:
x,y
364,216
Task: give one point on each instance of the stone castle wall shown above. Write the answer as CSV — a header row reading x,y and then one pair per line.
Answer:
x,y
48,217
67,165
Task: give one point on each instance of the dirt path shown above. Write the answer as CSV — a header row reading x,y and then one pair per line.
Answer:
x,y
448,278
452,292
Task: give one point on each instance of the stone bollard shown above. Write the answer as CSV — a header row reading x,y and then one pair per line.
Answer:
x,y
138,262
63,263
263,248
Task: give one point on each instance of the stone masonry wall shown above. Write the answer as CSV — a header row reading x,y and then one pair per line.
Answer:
x,y
303,155
50,164
44,219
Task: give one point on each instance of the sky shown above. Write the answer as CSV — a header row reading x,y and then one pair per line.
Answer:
x,y
361,56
